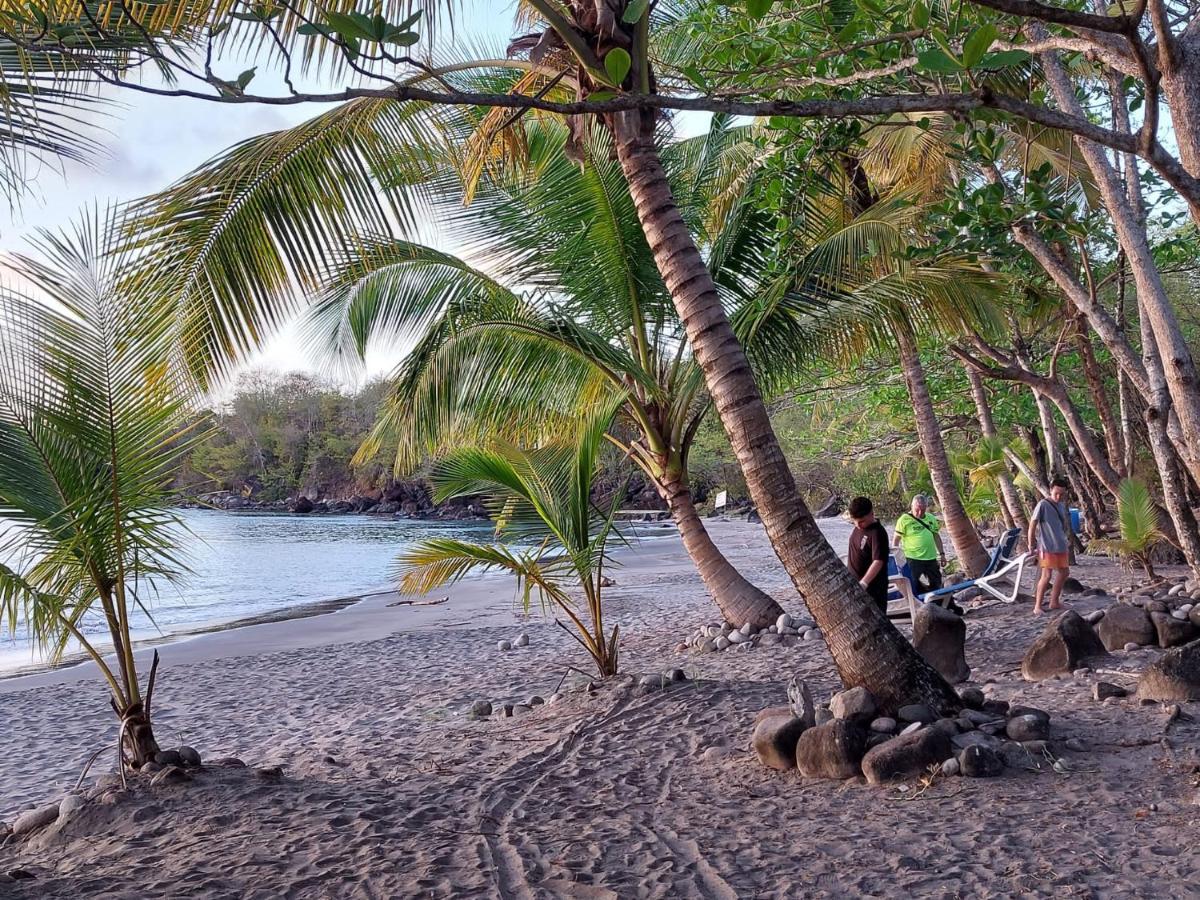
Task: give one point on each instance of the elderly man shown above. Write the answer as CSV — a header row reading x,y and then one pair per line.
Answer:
x,y
917,535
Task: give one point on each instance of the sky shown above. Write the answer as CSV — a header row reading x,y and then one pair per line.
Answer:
x,y
149,142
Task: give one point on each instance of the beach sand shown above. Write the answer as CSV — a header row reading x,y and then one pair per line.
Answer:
x,y
389,790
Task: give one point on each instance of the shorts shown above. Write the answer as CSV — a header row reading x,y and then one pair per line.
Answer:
x,y
1053,560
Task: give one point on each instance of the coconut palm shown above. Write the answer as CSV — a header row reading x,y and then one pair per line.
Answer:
x,y
1138,519
92,426
541,500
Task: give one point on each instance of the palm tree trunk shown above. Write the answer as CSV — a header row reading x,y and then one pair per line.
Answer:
x,y
967,546
1094,376
987,425
738,600
866,648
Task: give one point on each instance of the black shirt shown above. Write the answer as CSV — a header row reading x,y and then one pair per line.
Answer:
x,y
867,545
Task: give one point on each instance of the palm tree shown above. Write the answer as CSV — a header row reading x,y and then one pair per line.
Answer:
x,y
586,320
1138,518
93,423
230,239
542,499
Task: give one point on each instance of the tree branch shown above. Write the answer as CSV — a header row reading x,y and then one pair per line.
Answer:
x,y
1031,9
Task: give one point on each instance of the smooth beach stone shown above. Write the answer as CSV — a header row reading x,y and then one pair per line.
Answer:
x,y
976,739
1075,745
1027,728
748,629
503,645
822,714
950,767
657,682
231,762
813,634
972,697
916,712
832,750
980,762
978,717
912,727
783,622
481,709
507,710
1102,690
884,725
737,637
769,638
775,739
69,805
190,757
708,645
677,675
33,819
1030,711
150,768
1132,646
535,700
522,640
1125,624
1094,616
520,709
1194,616
723,643
907,756
855,703
168,758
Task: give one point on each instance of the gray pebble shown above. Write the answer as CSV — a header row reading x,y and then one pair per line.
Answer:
x,y
481,709
950,767
503,645
522,640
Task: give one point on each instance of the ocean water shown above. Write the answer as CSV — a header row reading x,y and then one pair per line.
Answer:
x,y
252,564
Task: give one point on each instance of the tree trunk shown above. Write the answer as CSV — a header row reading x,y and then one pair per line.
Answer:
x,y
1180,75
738,600
1094,376
137,737
967,546
866,648
1008,490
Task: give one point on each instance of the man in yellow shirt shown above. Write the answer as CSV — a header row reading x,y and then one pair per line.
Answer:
x,y
917,535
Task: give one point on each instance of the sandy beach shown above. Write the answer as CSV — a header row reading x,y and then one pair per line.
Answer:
x,y
388,789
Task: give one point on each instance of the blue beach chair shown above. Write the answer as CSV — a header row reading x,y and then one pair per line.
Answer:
x,y
1004,560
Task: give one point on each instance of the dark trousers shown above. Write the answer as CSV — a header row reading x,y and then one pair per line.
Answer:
x,y
928,570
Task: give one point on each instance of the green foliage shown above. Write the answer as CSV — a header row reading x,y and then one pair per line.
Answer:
x,y
1137,518
93,421
540,497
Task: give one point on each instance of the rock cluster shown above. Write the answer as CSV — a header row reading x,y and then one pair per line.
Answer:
x,y
849,740
787,630
521,640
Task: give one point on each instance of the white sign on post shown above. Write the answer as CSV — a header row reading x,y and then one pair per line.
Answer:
x,y
719,503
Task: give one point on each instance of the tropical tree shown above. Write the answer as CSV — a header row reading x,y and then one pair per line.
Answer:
x,y
93,422
541,500
1137,518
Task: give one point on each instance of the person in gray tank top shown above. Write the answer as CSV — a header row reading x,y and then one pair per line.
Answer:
x,y
1049,541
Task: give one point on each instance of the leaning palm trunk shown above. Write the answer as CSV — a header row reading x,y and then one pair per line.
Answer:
x,y
866,648
738,600
987,425
967,546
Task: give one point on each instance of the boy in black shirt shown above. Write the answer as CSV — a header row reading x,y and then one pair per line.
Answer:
x,y
869,552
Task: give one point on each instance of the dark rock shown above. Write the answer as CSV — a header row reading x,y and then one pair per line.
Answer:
x,y
875,738
150,767
775,741
1040,714
884,725
940,636
270,773
1153,606
1102,690
976,739
302,505
965,724
906,756
1062,646
832,750
1173,676
190,757
916,712
857,703
481,709
168,758
1194,615
1172,632
822,715
1074,585
230,762
978,717
948,725
980,762
1027,728
972,698
677,675
1125,624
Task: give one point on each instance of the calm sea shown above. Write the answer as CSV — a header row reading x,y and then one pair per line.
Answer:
x,y
247,565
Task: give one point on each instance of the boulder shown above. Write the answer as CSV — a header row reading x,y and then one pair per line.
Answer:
x,y
1125,624
772,712
302,505
190,757
980,762
1173,676
481,709
832,750
775,739
940,636
976,739
1172,632
857,703
907,756
1063,644
168,758
1102,690
1040,714
1028,728
883,725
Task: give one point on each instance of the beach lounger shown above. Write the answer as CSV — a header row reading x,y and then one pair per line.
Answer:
x,y
1004,560
902,598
